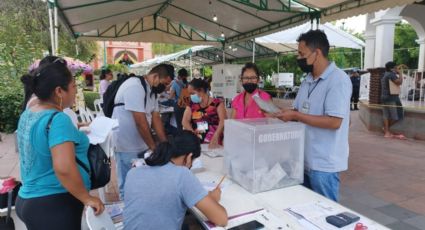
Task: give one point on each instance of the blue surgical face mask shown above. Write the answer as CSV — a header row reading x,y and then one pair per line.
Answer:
x,y
195,98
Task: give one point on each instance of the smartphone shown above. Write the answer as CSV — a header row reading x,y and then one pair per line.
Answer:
x,y
342,219
252,225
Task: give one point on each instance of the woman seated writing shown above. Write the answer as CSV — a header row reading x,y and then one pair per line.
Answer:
x,y
243,106
205,115
157,195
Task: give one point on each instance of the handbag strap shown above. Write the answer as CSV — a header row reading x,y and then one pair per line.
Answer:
x,y
9,204
79,162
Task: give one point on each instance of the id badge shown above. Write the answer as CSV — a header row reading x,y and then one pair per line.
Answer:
x,y
202,126
306,107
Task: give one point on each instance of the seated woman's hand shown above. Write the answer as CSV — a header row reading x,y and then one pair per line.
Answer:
x,y
216,194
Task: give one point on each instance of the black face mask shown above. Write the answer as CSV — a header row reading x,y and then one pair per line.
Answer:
x,y
184,81
249,87
306,68
158,89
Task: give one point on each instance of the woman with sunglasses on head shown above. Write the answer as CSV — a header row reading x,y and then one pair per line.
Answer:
x,y
54,188
157,195
243,105
205,115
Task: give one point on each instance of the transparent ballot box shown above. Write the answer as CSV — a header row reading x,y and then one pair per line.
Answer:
x,y
264,154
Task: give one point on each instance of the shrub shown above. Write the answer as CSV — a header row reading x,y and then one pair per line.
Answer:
x,y
89,98
11,99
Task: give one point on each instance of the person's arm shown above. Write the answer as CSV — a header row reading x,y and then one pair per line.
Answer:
x,y
335,108
210,207
187,118
144,128
324,122
221,116
233,114
158,126
398,80
65,167
172,95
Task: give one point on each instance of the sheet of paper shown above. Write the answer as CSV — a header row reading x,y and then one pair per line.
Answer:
x,y
315,214
100,128
267,106
218,152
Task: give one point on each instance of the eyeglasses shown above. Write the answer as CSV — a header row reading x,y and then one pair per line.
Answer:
x,y
249,78
59,60
56,61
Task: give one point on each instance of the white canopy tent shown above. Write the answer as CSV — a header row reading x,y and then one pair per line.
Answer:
x,y
202,21
174,58
286,41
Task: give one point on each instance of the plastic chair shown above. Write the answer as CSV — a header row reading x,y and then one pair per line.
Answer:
x,y
100,222
85,114
109,151
98,107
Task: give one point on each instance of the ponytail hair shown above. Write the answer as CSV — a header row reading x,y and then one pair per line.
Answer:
x,y
28,82
182,144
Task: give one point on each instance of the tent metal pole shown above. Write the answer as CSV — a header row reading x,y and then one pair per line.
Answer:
x,y
104,54
361,58
52,40
253,50
224,54
190,63
277,63
56,28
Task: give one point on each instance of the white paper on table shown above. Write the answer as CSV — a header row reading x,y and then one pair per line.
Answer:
x,y
217,152
316,212
100,128
211,185
197,164
268,219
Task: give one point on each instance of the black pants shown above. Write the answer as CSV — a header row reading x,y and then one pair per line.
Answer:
x,y
60,211
355,96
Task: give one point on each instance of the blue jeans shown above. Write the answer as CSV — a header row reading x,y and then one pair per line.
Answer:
x,y
324,183
123,163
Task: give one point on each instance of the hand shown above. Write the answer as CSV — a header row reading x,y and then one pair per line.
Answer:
x,y
215,194
288,115
214,143
96,204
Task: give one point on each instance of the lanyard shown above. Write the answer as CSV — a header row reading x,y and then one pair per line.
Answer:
x,y
311,91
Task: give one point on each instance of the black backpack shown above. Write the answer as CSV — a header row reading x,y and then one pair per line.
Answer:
x,y
111,92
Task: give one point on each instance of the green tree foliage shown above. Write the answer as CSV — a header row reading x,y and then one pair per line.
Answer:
x,y
162,49
406,50
24,37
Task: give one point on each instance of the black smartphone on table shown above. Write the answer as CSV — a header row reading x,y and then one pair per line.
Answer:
x,y
252,225
342,219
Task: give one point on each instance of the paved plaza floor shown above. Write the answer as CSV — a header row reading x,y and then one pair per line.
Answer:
x,y
385,180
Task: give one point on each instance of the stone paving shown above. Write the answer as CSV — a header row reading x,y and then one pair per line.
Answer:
x,y
385,180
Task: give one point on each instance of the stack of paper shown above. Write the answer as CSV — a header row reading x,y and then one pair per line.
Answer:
x,y
100,128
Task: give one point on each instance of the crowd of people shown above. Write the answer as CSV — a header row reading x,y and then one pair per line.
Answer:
x,y
157,195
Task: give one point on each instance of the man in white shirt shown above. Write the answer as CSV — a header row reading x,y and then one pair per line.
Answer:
x,y
137,113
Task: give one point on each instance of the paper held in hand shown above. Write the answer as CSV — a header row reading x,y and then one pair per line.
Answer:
x,y
266,106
